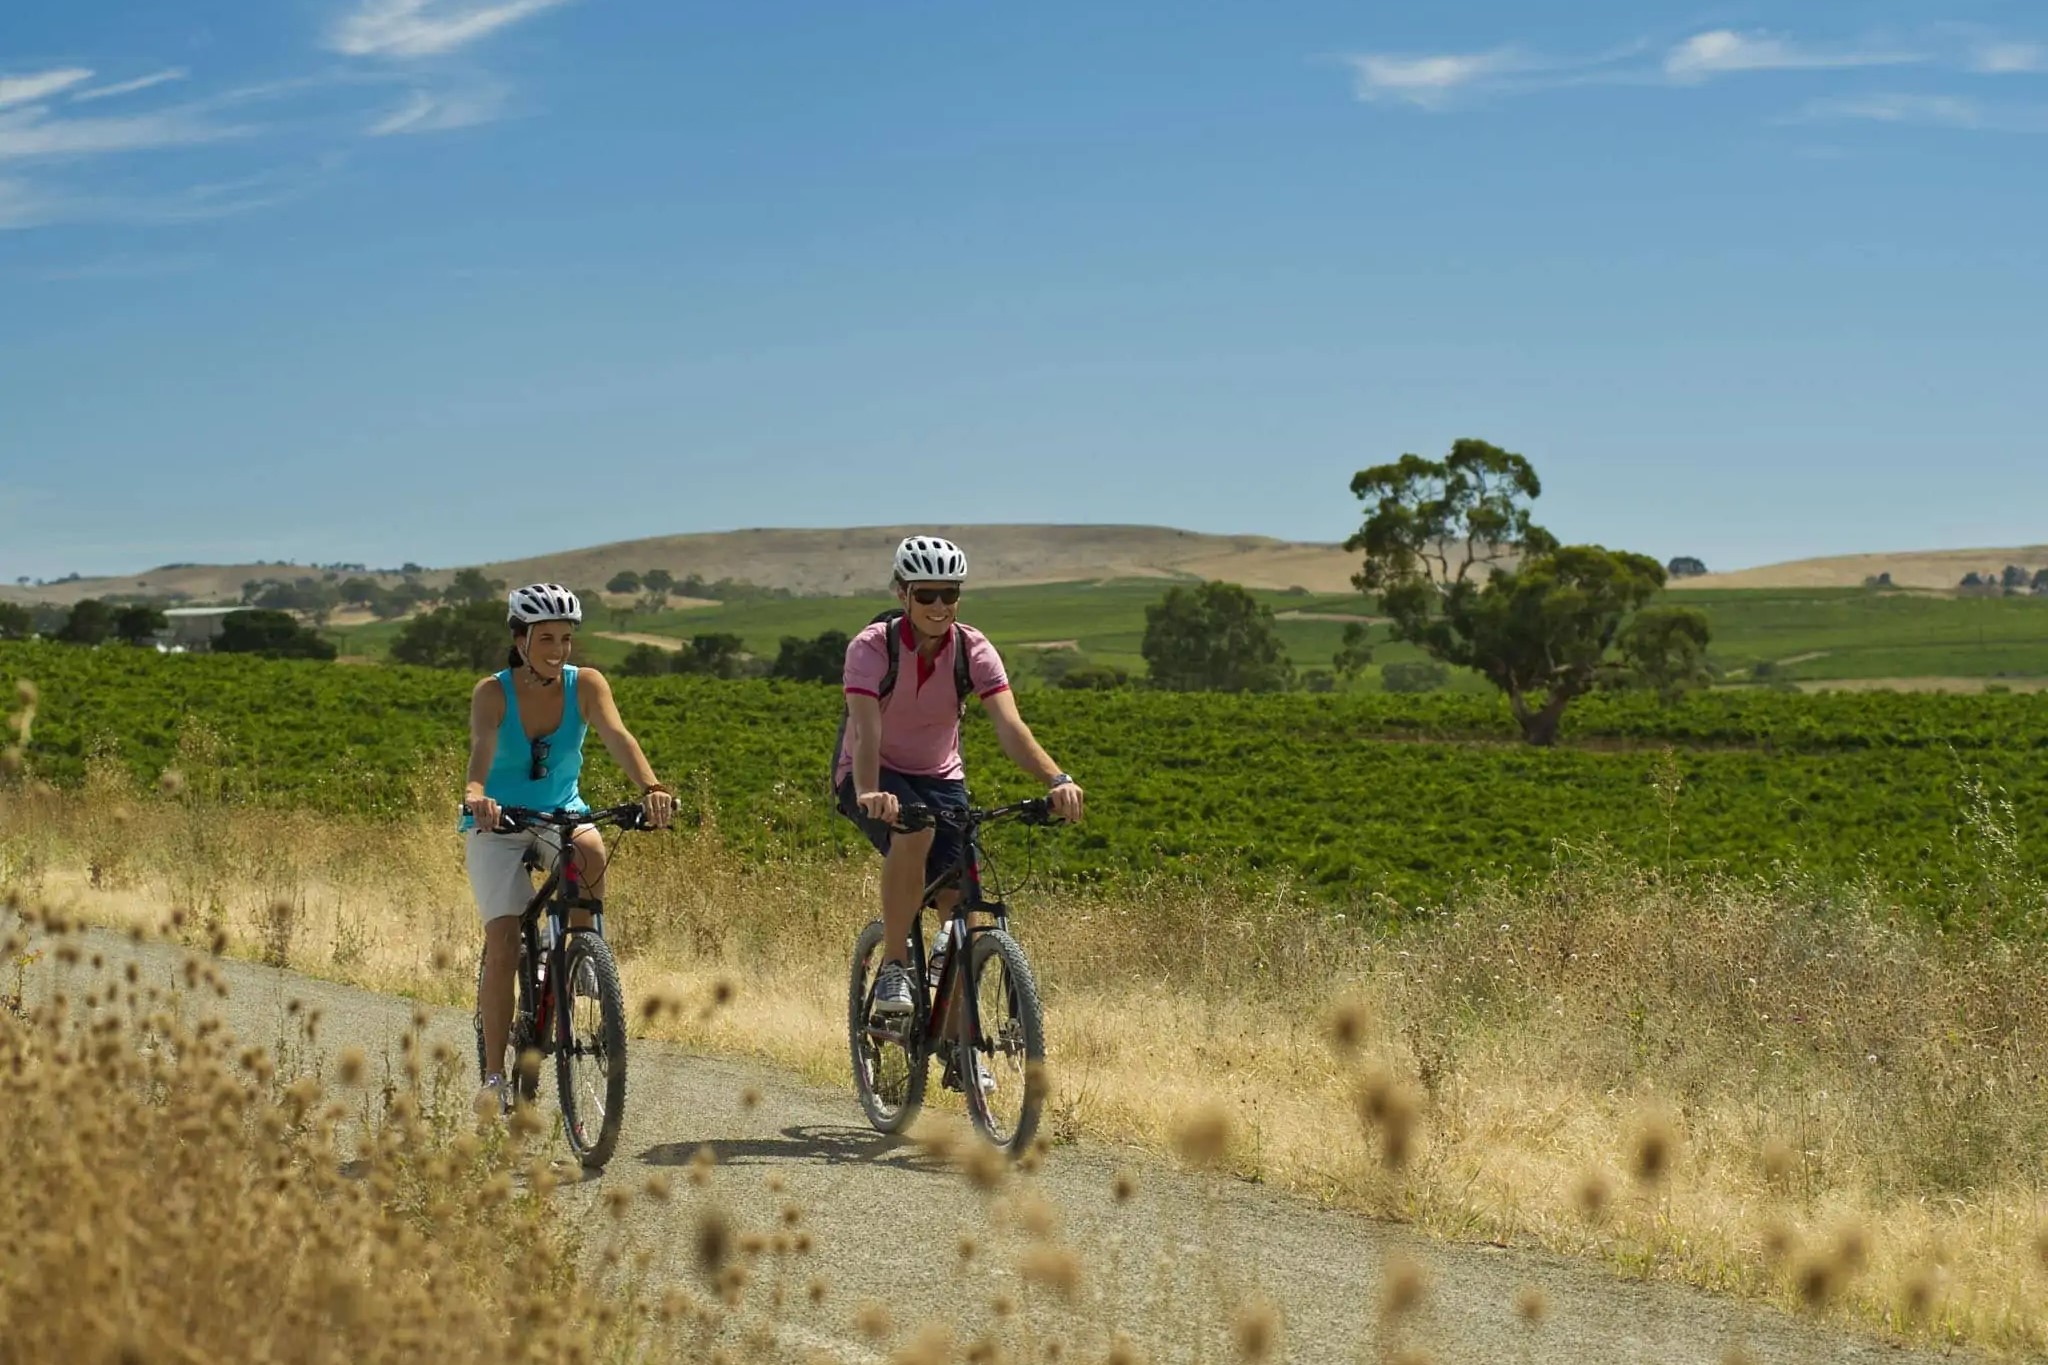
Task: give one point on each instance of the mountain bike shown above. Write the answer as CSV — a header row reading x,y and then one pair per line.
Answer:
x,y
583,1025
982,1019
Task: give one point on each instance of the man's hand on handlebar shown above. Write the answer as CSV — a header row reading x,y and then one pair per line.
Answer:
x,y
1069,802
881,806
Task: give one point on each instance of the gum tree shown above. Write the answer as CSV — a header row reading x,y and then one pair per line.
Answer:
x,y
1462,570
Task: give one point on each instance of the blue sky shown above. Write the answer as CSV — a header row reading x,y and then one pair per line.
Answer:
x,y
449,280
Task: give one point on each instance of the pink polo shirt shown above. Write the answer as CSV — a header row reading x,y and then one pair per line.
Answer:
x,y
921,717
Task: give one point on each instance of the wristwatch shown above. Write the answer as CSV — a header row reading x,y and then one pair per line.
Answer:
x,y
1059,780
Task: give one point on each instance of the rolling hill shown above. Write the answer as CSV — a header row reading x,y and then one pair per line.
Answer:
x,y
824,562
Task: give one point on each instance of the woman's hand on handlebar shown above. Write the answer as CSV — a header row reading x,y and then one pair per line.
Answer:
x,y
881,806
657,807
484,811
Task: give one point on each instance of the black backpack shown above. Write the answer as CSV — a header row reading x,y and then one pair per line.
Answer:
x,y
963,685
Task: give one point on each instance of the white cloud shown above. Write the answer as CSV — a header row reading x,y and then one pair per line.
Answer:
x,y
427,112
155,78
22,89
1721,51
1424,80
1933,111
33,133
2009,58
22,205
425,28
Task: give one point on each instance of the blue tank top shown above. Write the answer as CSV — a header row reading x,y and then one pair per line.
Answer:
x,y
510,781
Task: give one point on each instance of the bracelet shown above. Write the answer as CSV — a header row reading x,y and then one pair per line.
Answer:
x,y
1059,780
652,787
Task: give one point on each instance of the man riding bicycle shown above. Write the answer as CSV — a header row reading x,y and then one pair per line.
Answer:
x,y
902,742
527,724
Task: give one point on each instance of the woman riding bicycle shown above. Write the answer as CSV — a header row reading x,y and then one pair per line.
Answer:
x,y
526,729
905,747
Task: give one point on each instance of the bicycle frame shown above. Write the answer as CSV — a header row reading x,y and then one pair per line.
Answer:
x,y
952,1009
558,897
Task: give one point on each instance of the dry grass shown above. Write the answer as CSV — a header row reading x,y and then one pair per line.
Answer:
x,y
1779,1091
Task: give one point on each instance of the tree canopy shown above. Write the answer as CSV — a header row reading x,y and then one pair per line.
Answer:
x,y
470,636
91,622
1214,638
273,634
140,624
1464,571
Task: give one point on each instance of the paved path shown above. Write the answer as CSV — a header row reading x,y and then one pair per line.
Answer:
x,y
1170,1267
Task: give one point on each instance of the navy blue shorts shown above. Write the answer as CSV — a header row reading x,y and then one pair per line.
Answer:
x,y
947,792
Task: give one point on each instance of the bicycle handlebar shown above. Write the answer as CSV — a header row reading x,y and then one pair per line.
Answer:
x,y
512,819
914,816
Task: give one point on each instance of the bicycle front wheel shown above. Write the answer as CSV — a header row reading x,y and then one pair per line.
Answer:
x,y
1004,1075
889,1058
590,1063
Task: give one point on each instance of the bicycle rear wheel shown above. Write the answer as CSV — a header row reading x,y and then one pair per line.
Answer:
x,y
1005,1082
889,1056
527,1079
590,1063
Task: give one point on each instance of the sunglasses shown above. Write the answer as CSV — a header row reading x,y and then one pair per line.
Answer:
x,y
928,597
539,768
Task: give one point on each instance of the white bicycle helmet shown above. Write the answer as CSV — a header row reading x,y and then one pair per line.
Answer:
x,y
542,602
928,559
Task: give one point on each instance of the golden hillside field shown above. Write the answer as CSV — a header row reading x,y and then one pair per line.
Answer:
x,y
829,561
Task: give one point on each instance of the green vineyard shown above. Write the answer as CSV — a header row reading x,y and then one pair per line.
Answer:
x,y
1343,797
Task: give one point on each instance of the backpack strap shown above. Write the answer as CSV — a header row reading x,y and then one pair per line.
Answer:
x,y
963,679
895,650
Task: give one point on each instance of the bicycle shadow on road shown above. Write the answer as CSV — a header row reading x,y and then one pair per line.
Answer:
x,y
817,1144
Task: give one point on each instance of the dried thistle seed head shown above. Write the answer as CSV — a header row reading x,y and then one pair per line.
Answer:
x,y
1055,1267
968,1247
1203,1138
25,692
1780,1162
1917,1293
1124,1187
1652,1148
801,1243
1349,1025
1003,1306
714,1240
872,1321
932,1345
1778,1239
617,1201
1815,1280
350,1066
1851,1249
817,1290
170,782
420,1016
1402,1286
1255,1328
774,1182
657,1187
526,1120
984,1166
750,1098
1593,1194
1037,1217
441,959
723,991
218,943
1531,1305
701,1163
1123,1351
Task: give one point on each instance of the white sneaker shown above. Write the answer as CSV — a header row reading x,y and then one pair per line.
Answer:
x,y
892,990
492,1100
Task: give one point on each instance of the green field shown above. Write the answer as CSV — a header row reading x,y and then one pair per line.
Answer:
x,y
1823,633
1348,797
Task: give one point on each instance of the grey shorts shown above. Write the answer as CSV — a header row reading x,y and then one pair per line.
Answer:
x,y
497,868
